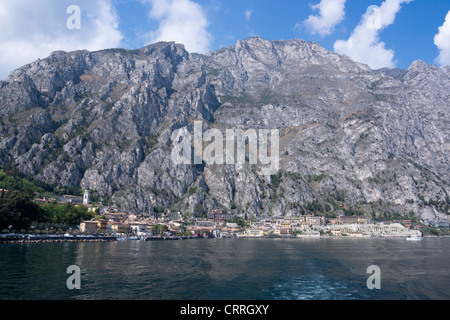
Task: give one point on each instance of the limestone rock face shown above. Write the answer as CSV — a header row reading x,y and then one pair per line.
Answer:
x,y
351,140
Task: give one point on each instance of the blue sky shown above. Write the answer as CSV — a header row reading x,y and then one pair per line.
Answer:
x,y
408,30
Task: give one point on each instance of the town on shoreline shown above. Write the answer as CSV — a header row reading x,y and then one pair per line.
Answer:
x,y
220,224
115,225
104,223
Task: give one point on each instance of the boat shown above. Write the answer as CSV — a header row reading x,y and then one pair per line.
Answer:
x,y
414,238
133,238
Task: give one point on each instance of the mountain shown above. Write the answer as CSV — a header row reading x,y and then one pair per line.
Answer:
x,y
351,140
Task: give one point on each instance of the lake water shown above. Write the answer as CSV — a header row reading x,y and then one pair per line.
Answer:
x,y
228,269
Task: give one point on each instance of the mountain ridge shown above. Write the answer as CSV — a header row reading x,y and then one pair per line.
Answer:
x,y
103,120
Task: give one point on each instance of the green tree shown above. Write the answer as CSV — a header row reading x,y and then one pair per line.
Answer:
x,y
159,229
240,222
19,210
187,217
199,211
66,213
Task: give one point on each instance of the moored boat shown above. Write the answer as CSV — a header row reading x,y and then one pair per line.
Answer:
x,y
414,238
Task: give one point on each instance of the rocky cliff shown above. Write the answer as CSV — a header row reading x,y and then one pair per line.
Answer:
x,y
352,140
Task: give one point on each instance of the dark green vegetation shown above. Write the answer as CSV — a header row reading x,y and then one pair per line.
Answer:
x,y
15,180
19,212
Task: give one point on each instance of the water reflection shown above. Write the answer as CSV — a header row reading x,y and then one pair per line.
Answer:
x,y
243,269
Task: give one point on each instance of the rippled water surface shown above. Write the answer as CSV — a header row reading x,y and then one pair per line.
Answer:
x,y
228,269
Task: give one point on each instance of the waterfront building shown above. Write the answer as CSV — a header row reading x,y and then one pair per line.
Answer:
x,y
313,220
439,223
356,234
200,231
296,221
229,230
336,232
99,225
232,225
376,230
111,217
118,227
132,217
253,232
113,214
138,228
293,221
88,226
174,225
70,199
269,222
208,224
304,225
407,223
332,220
219,216
284,229
223,233
309,234
172,216
352,219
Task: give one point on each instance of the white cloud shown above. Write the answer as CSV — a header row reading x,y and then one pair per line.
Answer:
x,y
182,21
331,13
33,29
248,14
442,41
364,44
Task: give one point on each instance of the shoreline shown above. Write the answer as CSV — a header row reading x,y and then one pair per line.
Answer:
x,y
19,238
89,238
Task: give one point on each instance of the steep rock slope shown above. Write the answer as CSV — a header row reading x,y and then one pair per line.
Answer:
x,y
352,140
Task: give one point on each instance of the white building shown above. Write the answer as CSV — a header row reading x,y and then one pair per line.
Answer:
x,y
376,230
139,229
86,198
